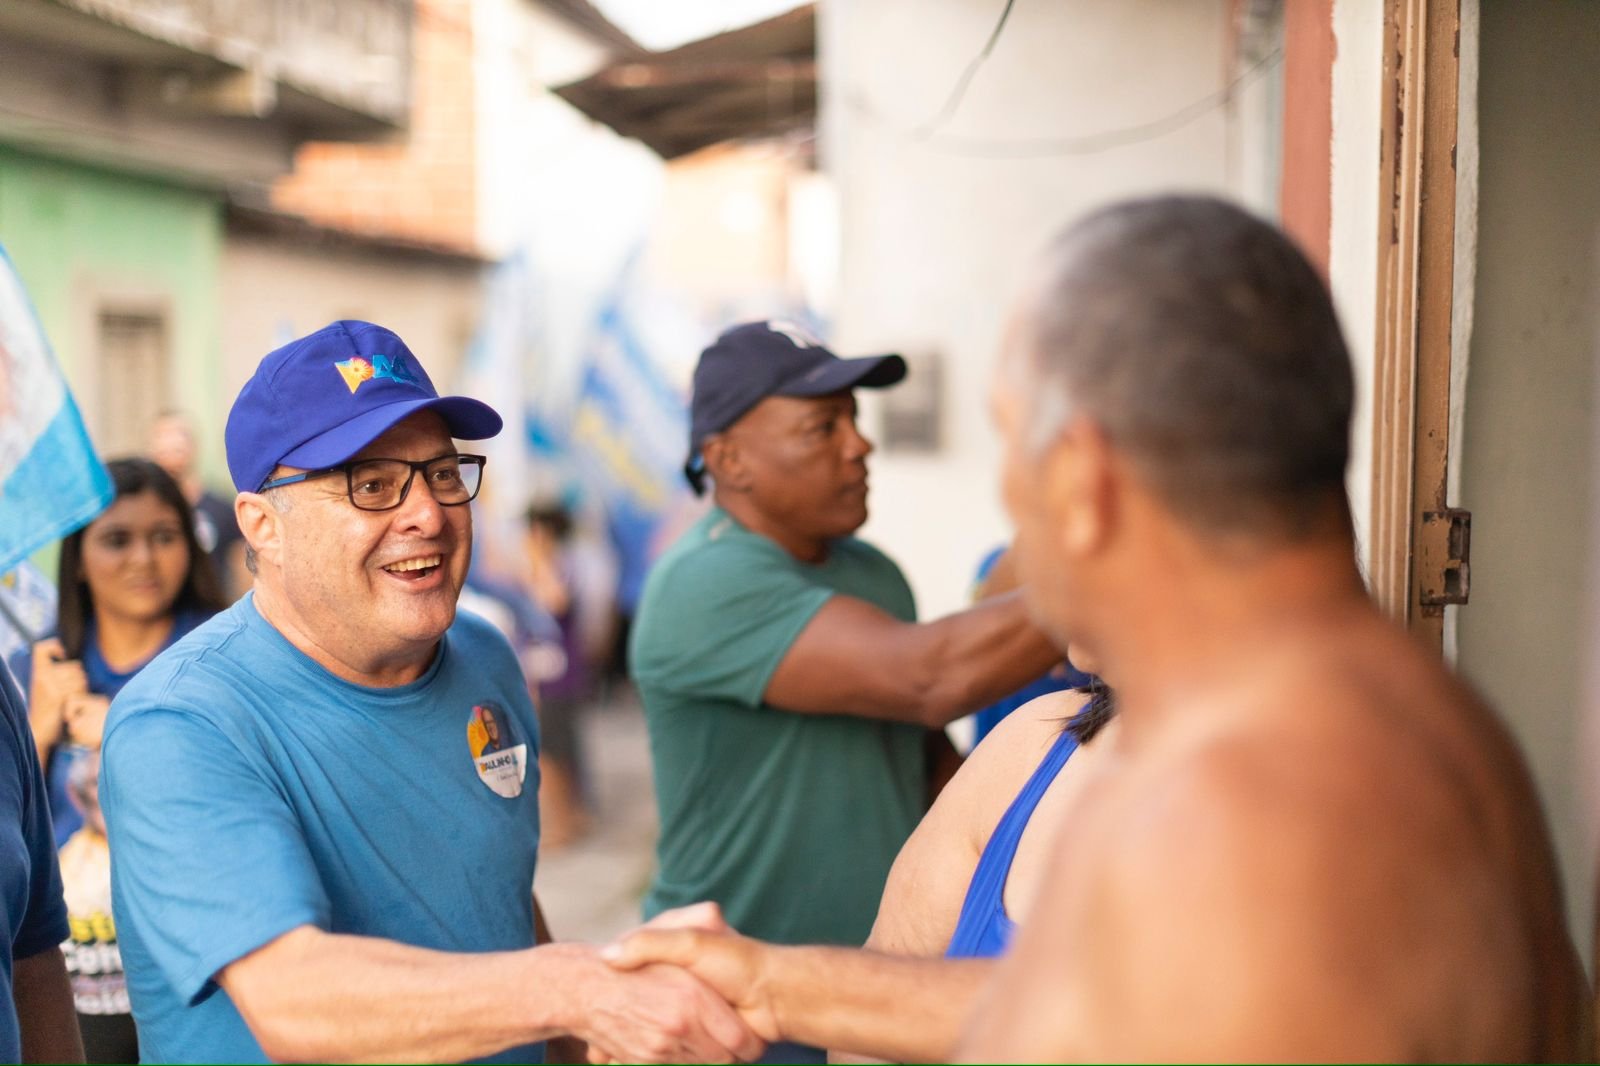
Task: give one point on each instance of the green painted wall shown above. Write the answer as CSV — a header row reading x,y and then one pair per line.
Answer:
x,y
78,234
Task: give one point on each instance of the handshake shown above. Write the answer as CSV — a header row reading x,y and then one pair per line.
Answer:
x,y
686,987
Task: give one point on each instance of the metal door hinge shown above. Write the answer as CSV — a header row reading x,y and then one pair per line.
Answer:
x,y
1444,557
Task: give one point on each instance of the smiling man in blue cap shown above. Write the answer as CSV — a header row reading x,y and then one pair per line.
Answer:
x,y
317,853
791,694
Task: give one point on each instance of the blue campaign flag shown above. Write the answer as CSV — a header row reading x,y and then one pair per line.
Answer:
x,y
629,433
51,481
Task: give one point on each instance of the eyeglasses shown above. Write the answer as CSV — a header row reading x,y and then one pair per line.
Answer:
x,y
382,484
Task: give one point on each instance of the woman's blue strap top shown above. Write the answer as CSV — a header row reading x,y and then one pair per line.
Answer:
x,y
984,931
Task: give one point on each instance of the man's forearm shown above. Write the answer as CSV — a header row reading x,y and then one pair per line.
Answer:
x,y
982,654
318,996
565,1048
43,997
887,1006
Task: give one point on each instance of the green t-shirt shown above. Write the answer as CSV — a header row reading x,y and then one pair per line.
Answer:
x,y
790,821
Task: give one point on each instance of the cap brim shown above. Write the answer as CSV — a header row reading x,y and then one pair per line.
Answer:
x,y
466,418
866,372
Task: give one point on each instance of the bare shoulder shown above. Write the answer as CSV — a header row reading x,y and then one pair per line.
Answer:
x,y
1211,805
1370,819
992,775
1332,768
1236,918
1026,734
1331,852
922,898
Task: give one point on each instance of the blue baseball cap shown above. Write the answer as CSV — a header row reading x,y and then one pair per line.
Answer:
x,y
750,362
319,400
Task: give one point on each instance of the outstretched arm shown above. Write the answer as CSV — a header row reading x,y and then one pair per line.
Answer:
x,y
558,1049
892,1007
315,996
853,658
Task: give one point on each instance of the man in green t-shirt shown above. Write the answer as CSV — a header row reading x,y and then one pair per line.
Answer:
x,y
788,687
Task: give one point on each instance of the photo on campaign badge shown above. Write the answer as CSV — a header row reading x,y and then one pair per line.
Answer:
x,y
498,756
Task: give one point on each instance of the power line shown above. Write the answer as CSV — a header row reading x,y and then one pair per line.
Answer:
x,y
1087,144
953,101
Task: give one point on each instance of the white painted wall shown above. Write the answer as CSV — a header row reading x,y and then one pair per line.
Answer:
x,y
518,50
936,234
550,180
1353,248
1529,465
566,202
1464,277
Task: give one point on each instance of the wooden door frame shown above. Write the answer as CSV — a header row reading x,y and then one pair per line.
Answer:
x,y
1416,268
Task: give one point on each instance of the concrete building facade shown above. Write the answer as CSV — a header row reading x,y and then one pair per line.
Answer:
x,y
124,130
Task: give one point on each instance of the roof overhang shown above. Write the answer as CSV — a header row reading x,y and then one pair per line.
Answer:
x,y
755,82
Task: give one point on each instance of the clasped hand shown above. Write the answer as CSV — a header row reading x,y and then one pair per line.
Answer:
x,y
59,700
696,941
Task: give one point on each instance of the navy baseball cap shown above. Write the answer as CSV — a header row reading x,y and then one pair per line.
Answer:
x,y
755,360
319,400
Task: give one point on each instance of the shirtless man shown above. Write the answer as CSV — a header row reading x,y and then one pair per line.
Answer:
x,y
1306,839
1316,843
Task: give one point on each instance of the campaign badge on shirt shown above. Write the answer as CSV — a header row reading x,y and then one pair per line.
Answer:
x,y
500,761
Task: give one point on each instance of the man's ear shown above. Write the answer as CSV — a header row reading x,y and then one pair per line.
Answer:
x,y
1081,485
261,524
726,464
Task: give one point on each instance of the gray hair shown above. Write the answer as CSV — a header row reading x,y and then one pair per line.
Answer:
x,y
283,504
1206,347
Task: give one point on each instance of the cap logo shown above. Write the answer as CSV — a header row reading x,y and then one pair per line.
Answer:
x,y
797,335
356,371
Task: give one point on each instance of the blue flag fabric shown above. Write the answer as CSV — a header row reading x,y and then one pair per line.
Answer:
x,y
51,481
629,436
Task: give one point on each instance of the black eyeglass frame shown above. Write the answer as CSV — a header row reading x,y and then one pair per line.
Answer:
x,y
418,466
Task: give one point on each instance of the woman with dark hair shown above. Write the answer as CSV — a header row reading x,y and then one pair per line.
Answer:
x,y
131,583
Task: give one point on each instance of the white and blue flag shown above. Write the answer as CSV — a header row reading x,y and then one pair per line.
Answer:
x,y
51,481
27,607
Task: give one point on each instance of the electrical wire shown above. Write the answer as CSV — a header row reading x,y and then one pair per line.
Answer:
x,y
1088,144
959,91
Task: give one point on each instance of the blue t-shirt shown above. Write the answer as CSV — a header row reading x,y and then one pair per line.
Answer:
x,y
103,681
35,918
248,791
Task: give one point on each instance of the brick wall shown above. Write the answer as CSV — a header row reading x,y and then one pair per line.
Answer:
x,y
422,186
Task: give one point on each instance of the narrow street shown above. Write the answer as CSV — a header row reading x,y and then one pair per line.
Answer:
x,y
590,890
